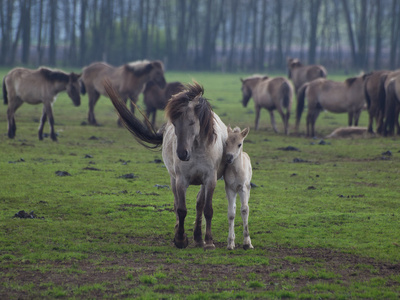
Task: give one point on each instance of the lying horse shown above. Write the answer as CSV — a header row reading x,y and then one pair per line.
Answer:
x,y
193,141
237,177
155,97
390,91
300,74
336,97
37,86
129,80
375,100
270,93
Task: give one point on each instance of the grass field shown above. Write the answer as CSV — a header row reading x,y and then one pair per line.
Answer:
x,y
324,220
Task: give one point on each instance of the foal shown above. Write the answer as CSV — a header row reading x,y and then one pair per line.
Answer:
x,y
237,180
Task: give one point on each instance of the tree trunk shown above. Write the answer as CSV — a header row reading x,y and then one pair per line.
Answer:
x,y
314,10
26,30
279,33
82,30
52,25
350,32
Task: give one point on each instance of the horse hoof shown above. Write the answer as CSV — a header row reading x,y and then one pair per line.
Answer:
x,y
230,247
199,244
248,246
209,247
181,244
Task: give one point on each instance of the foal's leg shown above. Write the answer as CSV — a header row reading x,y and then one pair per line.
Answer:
x,y
357,117
13,104
208,210
351,118
42,122
231,195
273,123
257,117
93,97
244,194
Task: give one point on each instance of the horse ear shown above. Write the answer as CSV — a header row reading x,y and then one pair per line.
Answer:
x,y
350,81
245,132
158,64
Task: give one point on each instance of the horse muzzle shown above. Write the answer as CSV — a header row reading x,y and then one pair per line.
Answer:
x,y
183,155
229,159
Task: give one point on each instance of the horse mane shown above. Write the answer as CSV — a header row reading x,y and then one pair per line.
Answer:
x,y
179,102
350,81
52,75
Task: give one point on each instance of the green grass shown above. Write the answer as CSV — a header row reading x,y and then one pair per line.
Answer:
x,y
328,227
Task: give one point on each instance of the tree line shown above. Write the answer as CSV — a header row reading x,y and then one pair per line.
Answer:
x,y
227,35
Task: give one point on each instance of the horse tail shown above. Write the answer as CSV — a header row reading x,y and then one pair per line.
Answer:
x,y
300,102
390,114
83,87
145,134
382,93
285,90
5,98
366,94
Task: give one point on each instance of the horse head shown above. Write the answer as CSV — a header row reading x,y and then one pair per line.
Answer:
x,y
73,88
234,143
246,92
192,118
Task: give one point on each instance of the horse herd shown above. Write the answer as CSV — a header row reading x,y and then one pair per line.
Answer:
x,y
197,147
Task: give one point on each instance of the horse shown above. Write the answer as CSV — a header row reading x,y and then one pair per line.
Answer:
x,y
301,74
193,141
37,86
237,178
155,97
374,99
270,93
129,80
390,91
333,96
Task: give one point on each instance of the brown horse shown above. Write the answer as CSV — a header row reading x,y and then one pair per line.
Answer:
x,y
155,97
300,74
375,100
37,86
269,93
129,81
390,91
337,97
193,141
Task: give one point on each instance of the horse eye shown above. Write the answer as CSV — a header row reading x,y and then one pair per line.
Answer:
x,y
191,123
239,145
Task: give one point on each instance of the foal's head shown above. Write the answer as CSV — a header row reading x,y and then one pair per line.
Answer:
x,y
234,143
192,117
73,88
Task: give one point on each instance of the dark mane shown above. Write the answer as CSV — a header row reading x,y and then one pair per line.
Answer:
x,y
178,105
350,81
54,75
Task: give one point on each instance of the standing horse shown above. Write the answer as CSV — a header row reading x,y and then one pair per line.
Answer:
x,y
193,141
337,97
155,97
375,100
237,177
269,93
390,91
300,74
37,86
129,80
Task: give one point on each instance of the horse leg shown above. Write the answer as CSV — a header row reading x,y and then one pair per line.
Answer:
x,y
244,199
371,121
257,117
49,113
350,122
13,104
308,121
397,118
273,123
180,239
93,97
231,195
357,117
153,119
42,122
197,234
208,211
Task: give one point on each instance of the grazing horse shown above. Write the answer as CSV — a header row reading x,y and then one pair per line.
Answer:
x,y
269,93
193,141
37,86
155,97
300,74
375,103
390,91
337,97
129,80
237,177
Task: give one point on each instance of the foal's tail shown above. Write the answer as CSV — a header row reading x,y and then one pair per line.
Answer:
x,y
285,90
5,98
382,93
145,134
300,103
